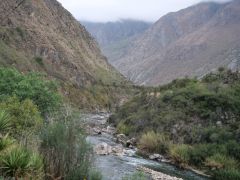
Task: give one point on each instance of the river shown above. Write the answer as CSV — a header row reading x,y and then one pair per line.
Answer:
x,y
116,167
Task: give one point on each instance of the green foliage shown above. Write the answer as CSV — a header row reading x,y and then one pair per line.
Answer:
x,y
39,60
66,152
180,154
124,129
220,161
24,115
136,176
31,86
227,174
5,122
154,142
95,175
5,142
20,163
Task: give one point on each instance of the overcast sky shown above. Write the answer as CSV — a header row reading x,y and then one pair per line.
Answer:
x,y
112,10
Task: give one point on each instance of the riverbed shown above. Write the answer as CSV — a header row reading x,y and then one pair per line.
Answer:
x,y
115,167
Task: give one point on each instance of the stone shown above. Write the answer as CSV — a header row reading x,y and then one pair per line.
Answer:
x,y
97,131
122,138
157,157
131,142
103,149
118,150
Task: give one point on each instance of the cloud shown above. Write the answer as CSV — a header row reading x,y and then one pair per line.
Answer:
x,y
112,10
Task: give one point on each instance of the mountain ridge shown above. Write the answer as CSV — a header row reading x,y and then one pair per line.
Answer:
x,y
178,44
40,35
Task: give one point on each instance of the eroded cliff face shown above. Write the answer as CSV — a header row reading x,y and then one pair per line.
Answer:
x,y
190,42
40,35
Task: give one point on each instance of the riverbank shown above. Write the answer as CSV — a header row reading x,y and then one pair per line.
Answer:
x,y
116,161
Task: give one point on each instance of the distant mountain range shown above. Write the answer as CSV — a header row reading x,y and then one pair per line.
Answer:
x,y
190,42
115,38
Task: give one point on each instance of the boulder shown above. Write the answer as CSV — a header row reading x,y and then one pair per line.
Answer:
x,y
103,149
118,150
97,130
131,142
156,157
122,138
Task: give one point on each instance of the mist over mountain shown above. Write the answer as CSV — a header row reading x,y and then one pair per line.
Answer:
x,y
190,42
115,38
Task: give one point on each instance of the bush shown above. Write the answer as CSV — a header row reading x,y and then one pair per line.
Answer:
x,y
31,86
39,60
136,176
124,129
24,116
95,175
220,161
21,163
180,154
66,152
5,122
227,174
154,142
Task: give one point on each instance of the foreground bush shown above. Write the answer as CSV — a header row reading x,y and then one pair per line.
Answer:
x,y
21,163
65,150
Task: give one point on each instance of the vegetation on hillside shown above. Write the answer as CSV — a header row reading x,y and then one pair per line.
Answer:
x,y
193,122
39,139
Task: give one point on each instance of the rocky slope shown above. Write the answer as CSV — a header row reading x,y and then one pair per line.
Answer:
x,y
40,35
115,38
190,42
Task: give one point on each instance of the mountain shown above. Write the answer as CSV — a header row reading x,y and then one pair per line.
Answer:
x,y
190,42
115,38
40,35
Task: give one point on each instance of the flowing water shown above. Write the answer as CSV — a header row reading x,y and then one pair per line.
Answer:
x,y
116,167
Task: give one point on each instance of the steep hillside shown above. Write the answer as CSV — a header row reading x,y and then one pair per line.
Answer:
x,y
190,42
115,38
192,122
40,35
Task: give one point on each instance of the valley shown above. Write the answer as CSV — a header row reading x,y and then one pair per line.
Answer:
x,y
129,99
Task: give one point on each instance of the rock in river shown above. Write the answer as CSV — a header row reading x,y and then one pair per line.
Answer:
x,y
103,149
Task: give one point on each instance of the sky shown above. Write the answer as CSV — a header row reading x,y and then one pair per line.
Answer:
x,y
113,10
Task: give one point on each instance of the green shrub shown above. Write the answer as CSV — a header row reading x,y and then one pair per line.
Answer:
x,y
220,161
5,142
24,116
31,86
124,129
233,149
64,143
39,60
136,176
5,122
21,163
95,175
180,154
154,142
227,174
